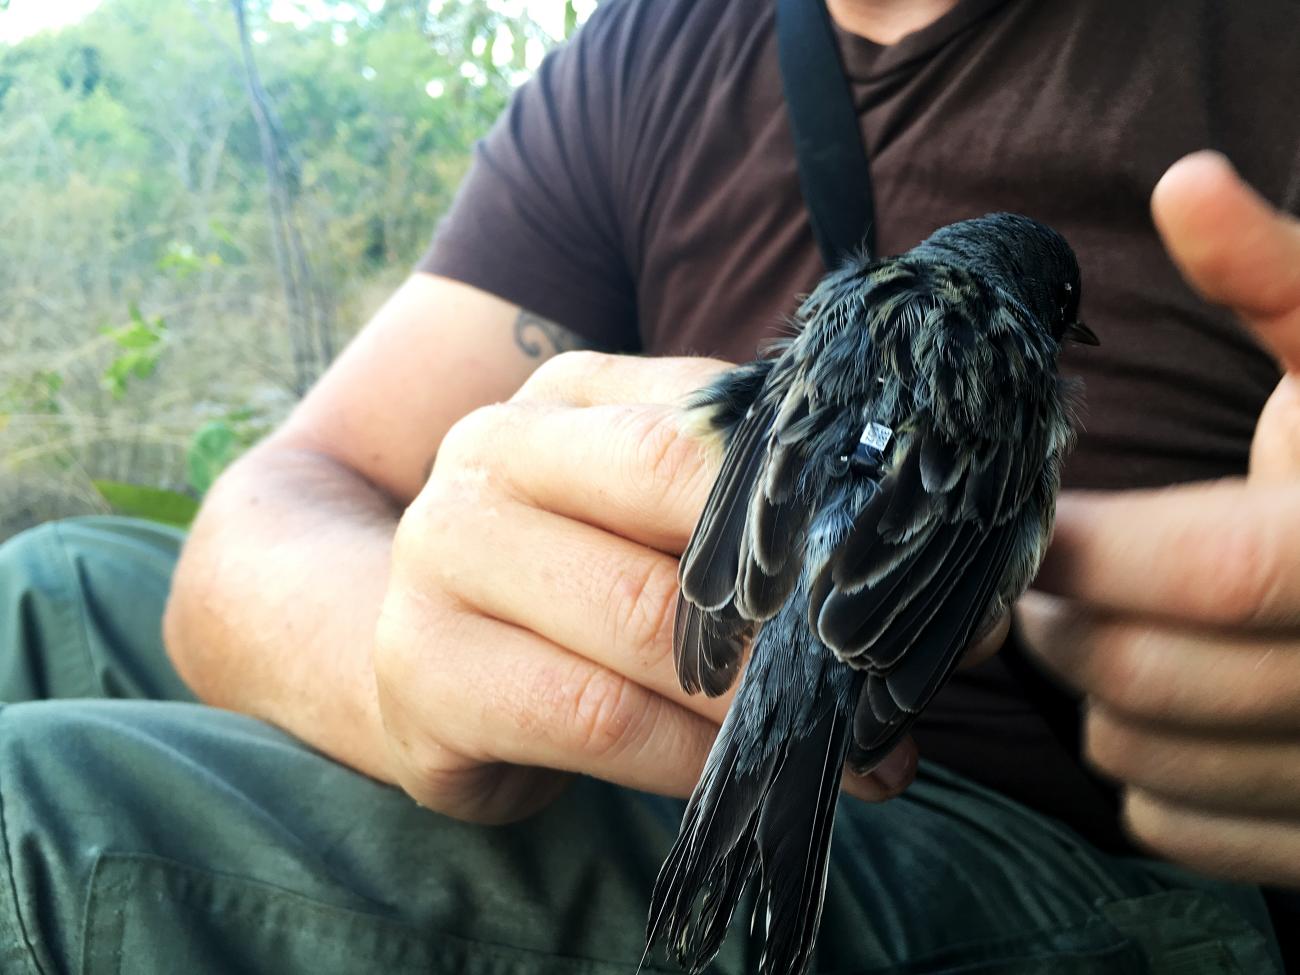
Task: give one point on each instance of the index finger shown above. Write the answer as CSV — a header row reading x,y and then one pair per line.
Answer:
x,y
1219,554
587,378
630,469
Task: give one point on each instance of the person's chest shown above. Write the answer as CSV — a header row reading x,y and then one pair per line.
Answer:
x,y
1055,111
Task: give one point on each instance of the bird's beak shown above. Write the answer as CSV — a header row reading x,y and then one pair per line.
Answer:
x,y
1081,333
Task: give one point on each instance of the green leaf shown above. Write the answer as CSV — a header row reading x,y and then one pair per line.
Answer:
x,y
37,393
139,363
139,333
182,260
51,380
214,445
155,504
141,341
222,233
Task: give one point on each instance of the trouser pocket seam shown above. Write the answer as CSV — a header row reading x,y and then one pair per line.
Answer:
x,y
11,885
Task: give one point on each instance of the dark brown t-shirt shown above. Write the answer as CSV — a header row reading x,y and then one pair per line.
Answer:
x,y
642,191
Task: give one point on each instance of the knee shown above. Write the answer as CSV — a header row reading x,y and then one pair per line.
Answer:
x,y
65,766
31,554
92,540
37,583
40,742
59,559
81,604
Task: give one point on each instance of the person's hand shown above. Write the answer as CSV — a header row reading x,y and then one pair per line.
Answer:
x,y
1177,611
527,630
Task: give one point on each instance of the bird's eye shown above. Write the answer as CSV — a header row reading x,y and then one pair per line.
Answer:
x,y
1068,293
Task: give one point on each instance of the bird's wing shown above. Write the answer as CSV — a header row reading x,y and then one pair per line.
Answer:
x,y
902,595
746,552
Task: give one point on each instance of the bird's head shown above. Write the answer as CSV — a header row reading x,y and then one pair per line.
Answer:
x,y
1027,259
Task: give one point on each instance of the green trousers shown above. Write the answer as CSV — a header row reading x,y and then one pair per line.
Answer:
x,y
142,832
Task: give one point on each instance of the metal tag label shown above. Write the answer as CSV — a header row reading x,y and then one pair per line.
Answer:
x,y
876,436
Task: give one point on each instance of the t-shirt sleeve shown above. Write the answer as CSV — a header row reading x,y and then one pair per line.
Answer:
x,y
536,219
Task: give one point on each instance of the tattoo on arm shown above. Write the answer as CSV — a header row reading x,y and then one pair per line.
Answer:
x,y
541,338
538,338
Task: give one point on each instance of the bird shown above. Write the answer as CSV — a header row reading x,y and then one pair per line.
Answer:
x,y
887,490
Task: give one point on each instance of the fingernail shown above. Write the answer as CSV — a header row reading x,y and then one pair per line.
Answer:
x,y
898,769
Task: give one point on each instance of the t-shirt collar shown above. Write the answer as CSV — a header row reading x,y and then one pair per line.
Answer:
x,y
865,59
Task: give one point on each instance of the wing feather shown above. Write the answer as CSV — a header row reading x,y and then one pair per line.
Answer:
x,y
903,593
746,553
708,646
711,561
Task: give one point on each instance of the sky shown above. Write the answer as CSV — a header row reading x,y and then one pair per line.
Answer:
x,y
26,17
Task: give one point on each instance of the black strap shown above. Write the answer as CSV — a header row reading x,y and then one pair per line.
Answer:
x,y
834,173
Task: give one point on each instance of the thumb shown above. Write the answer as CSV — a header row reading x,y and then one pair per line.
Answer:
x,y
1233,247
1238,251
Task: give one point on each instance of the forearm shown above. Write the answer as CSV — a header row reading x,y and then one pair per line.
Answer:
x,y
275,601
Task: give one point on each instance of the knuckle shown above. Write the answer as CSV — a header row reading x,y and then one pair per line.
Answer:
x,y
604,712
561,372
407,734
432,773
432,781
1129,675
644,602
387,652
1111,748
395,622
434,691
534,707
524,710
1245,571
409,622
431,531
1145,821
467,440
1175,833
665,455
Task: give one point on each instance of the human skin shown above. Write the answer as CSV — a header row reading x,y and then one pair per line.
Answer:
x,y
887,21
514,628
526,619
278,592
527,631
1176,612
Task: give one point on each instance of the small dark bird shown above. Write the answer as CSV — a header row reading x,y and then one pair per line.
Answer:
x,y
887,491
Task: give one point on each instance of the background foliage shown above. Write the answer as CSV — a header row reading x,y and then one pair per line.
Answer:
x,y
190,228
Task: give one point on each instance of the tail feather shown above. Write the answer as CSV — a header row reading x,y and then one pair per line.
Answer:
x,y
771,814
802,834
